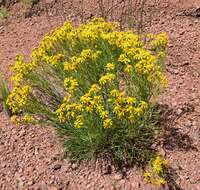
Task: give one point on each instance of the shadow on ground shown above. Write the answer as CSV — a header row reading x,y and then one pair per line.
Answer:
x,y
173,139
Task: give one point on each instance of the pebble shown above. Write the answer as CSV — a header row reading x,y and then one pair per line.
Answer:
x,y
36,151
188,124
74,166
117,177
182,32
30,183
57,167
179,112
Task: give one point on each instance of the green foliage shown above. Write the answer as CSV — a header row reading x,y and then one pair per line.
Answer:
x,y
29,3
4,92
98,86
121,146
3,13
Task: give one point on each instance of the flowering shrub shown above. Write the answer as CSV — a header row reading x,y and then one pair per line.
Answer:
x,y
97,85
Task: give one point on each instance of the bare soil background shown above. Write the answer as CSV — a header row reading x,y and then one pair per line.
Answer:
x,y
31,157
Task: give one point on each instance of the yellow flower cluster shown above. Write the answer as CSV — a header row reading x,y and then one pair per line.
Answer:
x,y
160,41
20,70
108,77
68,109
123,39
127,107
90,32
124,107
146,65
90,102
157,168
136,57
54,60
76,61
79,122
70,84
64,33
110,67
18,98
26,119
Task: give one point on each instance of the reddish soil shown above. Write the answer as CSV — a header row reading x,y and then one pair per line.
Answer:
x,y
32,157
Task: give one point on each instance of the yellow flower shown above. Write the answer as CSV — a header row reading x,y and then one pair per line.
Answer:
x,y
14,119
76,61
128,69
85,99
71,84
86,53
56,59
147,175
155,175
94,88
115,93
124,59
150,35
79,121
104,114
18,98
110,66
107,123
28,119
97,100
159,164
131,100
161,40
119,111
107,78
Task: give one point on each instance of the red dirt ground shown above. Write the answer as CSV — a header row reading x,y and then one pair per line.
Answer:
x,y
31,156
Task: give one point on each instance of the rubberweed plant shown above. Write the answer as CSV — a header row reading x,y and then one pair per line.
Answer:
x,y
97,85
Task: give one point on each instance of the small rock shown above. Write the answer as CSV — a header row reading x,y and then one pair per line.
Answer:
x,y
117,177
179,112
182,32
22,133
88,186
36,151
188,124
176,71
3,165
74,166
162,152
176,166
135,185
57,167
30,183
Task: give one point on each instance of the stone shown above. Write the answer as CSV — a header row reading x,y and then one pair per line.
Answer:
x,y
74,166
117,177
57,167
179,112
